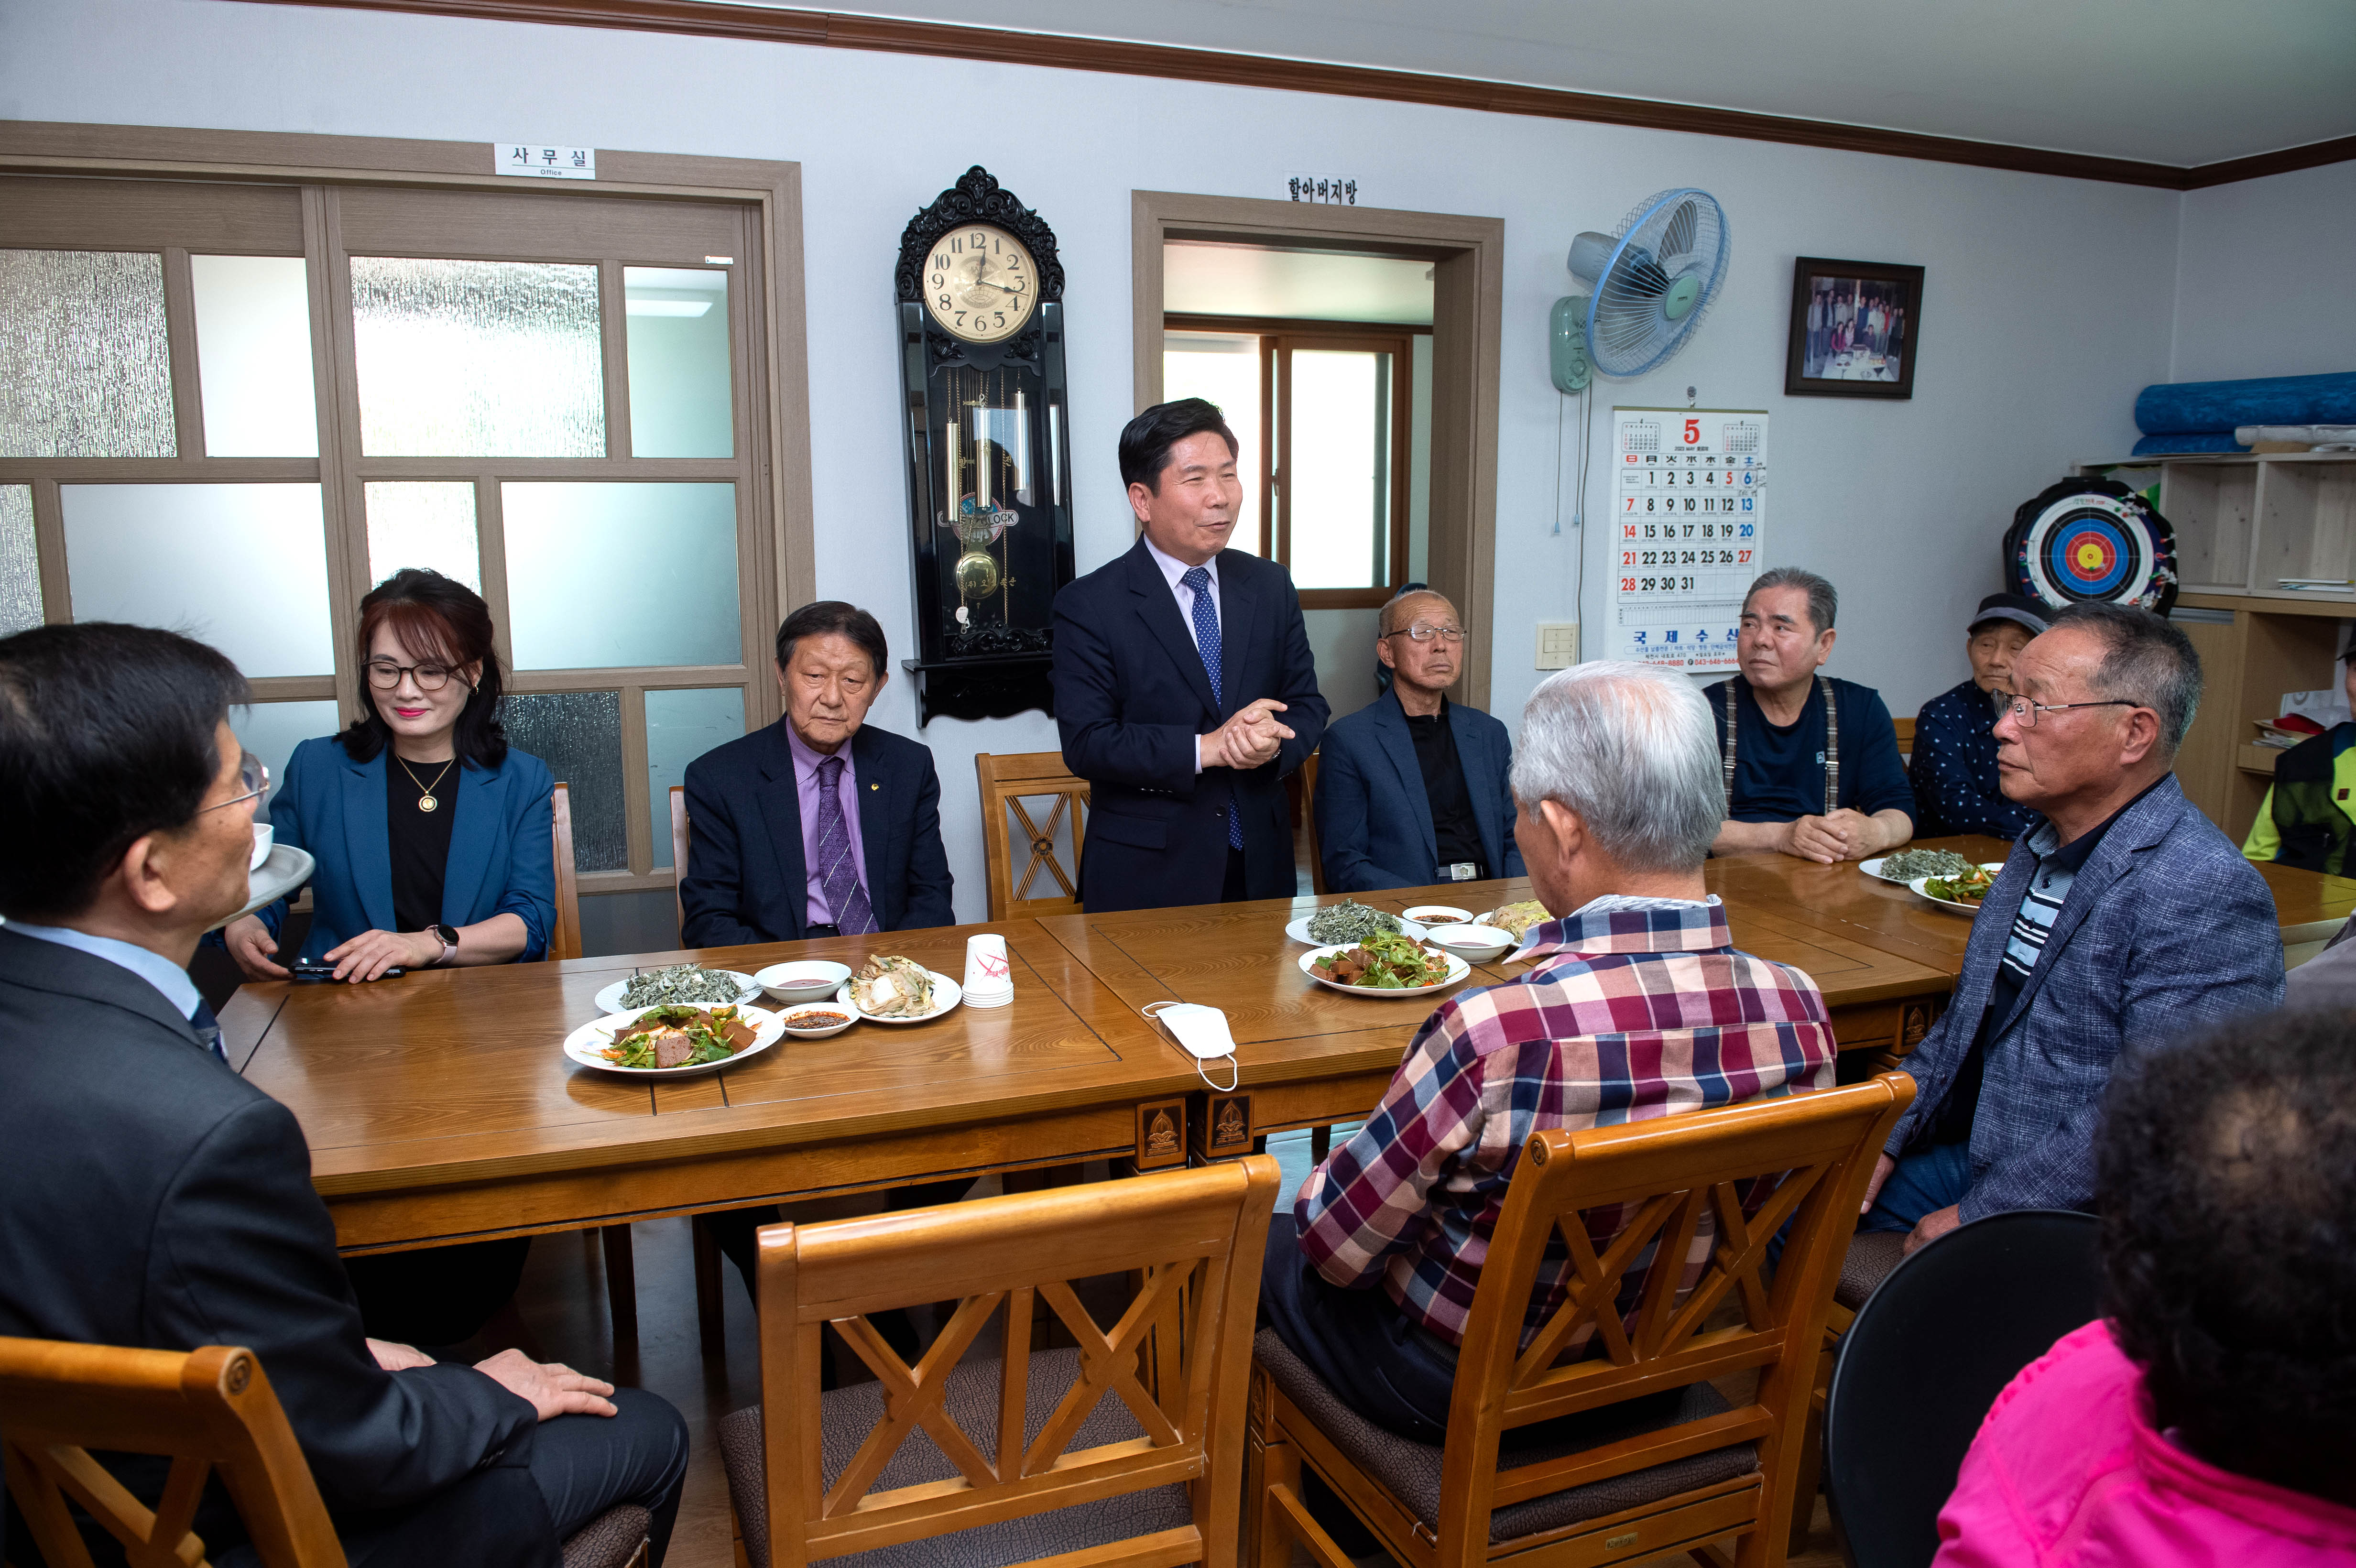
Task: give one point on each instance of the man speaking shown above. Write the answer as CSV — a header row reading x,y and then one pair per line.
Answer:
x,y
1184,688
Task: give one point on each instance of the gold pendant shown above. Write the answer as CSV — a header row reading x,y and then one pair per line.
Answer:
x,y
426,803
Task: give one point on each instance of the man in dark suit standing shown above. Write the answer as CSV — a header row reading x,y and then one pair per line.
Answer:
x,y
1172,665
817,824
157,1200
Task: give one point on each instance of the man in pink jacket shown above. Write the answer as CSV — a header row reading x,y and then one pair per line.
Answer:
x,y
2208,1419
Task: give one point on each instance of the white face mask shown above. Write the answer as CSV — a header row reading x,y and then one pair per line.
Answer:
x,y
1202,1033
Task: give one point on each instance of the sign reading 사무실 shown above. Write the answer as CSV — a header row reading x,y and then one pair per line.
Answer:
x,y
1690,512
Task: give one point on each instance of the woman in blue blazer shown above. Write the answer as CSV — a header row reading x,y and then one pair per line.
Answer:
x,y
431,835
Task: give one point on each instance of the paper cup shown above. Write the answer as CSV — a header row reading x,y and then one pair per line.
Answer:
x,y
989,978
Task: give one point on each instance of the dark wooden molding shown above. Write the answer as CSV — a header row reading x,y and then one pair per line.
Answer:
x,y
714,19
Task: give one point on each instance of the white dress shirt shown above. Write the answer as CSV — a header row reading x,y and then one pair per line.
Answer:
x,y
1174,569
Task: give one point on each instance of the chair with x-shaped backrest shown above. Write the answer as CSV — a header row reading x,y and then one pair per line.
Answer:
x,y
1127,1448
1674,1474
1010,785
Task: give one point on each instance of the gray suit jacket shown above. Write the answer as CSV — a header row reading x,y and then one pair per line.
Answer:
x,y
2166,930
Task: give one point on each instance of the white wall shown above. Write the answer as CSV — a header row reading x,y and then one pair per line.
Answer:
x,y
2265,277
2048,303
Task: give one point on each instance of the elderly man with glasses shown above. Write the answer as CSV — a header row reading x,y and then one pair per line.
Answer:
x,y
1412,788
2124,919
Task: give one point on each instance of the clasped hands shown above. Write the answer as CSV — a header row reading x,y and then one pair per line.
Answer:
x,y
1250,739
1843,835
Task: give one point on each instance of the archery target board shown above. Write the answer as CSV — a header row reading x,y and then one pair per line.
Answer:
x,y
1689,515
2077,543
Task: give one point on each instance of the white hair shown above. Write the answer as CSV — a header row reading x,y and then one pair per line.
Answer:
x,y
1634,752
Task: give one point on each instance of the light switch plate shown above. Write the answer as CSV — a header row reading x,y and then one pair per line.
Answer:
x,y
1558,645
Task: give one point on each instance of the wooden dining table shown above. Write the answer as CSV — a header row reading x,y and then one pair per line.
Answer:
x,y
439,1106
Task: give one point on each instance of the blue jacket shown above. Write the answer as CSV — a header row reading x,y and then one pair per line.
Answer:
x,y
2166,930
1374,820
1954,769
502,860
746,878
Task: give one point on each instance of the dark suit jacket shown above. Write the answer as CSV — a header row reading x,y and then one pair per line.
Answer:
x,y
2166,930
157,1200
1131,697
1374,820
746,878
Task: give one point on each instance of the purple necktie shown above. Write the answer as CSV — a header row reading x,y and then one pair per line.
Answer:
x,y
1206,643
838,874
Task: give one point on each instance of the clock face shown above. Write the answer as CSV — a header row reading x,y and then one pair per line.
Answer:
x,y
979,283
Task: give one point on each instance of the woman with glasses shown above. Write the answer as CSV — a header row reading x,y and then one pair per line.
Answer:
x,y
431,835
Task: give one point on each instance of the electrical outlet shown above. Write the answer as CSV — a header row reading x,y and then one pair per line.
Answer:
x,y
1558,645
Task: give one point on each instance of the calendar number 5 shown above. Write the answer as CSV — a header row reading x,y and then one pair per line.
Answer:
x,y
1693,432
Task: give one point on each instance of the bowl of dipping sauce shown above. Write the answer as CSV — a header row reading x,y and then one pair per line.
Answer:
x,y
1473,944
816,1020
803,980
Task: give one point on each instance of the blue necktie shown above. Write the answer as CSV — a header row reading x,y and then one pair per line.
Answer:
x,y
1206,643
208,1029
845,899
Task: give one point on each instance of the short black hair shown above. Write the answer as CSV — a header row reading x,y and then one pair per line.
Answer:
x,y
1146,441
2146,660
107,734
2226,1178
834,615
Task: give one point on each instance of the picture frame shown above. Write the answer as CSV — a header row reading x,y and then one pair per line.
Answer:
x,y
1857,328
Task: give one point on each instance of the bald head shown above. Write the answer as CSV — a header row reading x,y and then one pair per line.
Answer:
x,y
1401,612
1420,671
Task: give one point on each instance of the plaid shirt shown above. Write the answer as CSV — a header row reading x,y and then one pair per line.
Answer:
x,y
1629,1013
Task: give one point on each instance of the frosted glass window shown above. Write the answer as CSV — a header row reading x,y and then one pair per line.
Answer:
x,y
579,735
478,358
1341,479
1223,368
679,401
243,567
680,727
85,368
427,523
253,356
603,574
272,730
20,563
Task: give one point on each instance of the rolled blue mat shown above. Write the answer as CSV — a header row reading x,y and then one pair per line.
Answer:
x,y
2265,400
2193,441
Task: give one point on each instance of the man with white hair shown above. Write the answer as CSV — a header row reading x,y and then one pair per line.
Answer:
x,y
1616,785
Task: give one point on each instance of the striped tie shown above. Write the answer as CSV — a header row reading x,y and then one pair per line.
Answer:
x,y
838,874
1206,643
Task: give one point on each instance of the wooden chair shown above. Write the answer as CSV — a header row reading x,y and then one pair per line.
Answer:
x,y
1007,781
679,841
1309,823
1905,729
1647,1486
565,936
209,1409
1126,1450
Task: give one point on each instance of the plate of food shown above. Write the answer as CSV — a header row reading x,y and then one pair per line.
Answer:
x,y
1349,921
1439,914
1964,893
816,1021
672,1040
1517,918
1905,865
678,985
1384,965
895,990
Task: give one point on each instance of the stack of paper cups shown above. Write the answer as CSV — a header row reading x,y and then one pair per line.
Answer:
x,y
989,979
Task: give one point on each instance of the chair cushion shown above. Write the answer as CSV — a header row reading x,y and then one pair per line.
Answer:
x,y
610,1540
971,1401
1871,1255
1410,1471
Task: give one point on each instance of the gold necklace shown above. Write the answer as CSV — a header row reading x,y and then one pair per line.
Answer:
x,y
425,801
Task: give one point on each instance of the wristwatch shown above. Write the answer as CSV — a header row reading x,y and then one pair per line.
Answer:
x,y
448,935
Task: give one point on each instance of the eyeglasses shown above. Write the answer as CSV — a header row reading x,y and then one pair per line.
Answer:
x,y
252,777
1423,633
2024,712
385,676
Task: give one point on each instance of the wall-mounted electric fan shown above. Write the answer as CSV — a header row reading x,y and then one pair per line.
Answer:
x,y
1650,282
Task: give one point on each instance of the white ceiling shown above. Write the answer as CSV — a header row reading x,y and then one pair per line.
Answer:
x,y
2168,81
1241,279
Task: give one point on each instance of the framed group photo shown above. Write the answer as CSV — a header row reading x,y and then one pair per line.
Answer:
x,y
1856,326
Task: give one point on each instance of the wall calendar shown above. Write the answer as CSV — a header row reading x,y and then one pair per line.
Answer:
x,y
1689,502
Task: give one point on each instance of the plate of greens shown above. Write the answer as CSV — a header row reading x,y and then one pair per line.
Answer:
x,y
1349,921
1383,966
673,1041
678,983
1905,865
1965,893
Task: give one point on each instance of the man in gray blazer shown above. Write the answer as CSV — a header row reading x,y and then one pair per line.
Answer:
x,y
1411,788
2124,919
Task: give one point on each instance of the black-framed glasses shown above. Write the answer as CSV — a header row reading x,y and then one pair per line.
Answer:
x,y
252,777
385,676
2024,712
1423,633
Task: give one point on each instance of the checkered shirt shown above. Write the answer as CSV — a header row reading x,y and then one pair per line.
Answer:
x,y
1628,1014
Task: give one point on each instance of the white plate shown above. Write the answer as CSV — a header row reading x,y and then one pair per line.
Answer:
x,y
283,871
748,989
823,990
584,1044
1473,944
1873,868
947,994
1439,914
1299,930
1916,887
1457,970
